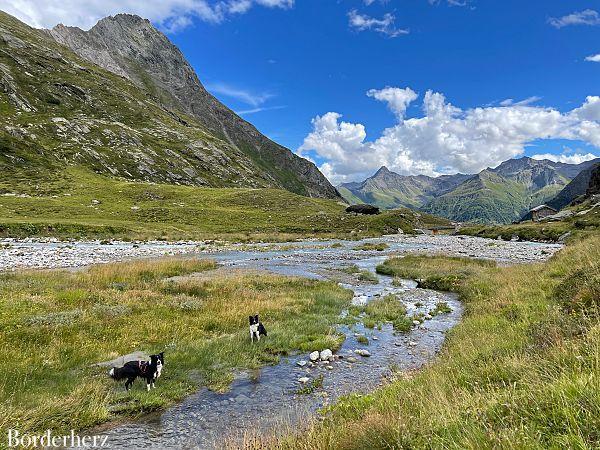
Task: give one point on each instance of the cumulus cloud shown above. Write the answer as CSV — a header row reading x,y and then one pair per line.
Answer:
x,y
586,17
445,139
396,98
385,25
576,158
593,58
171,15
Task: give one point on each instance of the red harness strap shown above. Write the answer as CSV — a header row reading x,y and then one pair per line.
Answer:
x,y
143,366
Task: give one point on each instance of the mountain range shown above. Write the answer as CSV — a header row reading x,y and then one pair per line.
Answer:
x,y
121,100
494,195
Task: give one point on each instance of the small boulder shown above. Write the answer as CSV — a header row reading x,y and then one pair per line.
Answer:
x,y
301,363
326,355
351,359
314,356
303,380
363,209
362,352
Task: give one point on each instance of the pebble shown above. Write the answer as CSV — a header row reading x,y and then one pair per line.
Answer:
x,y
314,356
303,380
301,363
362,352
351,359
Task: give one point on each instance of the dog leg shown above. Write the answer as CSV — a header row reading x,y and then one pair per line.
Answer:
x,y
148,387
252,337
258,336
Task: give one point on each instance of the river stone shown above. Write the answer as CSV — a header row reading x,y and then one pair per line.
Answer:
x,y
351,359
362,352
326,355
314,356
303,380
301,363
416,322
329,367
412,344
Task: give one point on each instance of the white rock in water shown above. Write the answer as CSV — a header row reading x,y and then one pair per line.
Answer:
x,y
416,322
303,380
351,359
326,355
428,317
301,363
412,344
362,352
375,338
314,356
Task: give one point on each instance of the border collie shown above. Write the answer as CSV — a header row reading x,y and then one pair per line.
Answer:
x,y
256,328
148,370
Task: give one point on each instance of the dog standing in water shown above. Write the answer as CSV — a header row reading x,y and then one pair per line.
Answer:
x,y
256,328
148,370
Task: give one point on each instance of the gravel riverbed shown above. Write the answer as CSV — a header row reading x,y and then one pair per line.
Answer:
x,y
49,254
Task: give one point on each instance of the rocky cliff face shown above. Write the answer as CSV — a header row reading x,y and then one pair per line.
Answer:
x,y
131,47
577,188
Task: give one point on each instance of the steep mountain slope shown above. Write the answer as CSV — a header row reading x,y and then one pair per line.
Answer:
x,y
388,189
505,193
59,111
131,47
575,189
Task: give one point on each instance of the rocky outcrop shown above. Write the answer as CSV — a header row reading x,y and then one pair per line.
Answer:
x,y
594,183
363,209
575,190
132,47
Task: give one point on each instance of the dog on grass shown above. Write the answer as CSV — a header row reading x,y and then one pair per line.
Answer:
x,y
148,370
256,328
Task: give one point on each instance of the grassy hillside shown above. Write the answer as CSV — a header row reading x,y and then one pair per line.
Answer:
x,y
59,110
520,371
485,198
80,203
585,221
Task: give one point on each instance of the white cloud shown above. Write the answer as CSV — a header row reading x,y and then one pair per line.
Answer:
x,y
396,98
257,110
171,15
242,95
586,17
576,158
445,139
385,25
525,102
593,58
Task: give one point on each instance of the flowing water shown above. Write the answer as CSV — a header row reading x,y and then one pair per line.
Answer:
x,y
268,400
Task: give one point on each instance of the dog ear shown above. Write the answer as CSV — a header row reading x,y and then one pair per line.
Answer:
x,y
250,319
256,317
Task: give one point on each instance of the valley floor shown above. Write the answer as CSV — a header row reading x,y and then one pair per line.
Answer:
x,y
57,324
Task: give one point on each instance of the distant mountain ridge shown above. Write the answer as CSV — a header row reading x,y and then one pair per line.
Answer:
x,y
495,195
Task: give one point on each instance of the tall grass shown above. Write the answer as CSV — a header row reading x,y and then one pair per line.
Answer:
x,y
522,370
57,324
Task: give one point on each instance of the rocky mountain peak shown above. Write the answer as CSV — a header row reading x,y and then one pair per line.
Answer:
x,y
132,47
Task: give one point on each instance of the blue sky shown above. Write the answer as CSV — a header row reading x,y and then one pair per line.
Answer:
x,y
282,63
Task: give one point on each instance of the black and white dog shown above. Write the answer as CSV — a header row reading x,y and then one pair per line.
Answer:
x,y
256,328
148,370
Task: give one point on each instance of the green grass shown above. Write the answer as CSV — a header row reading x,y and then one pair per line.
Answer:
x,y
367,277
443,274
522,370
371,246
585,221
57,324
84,204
